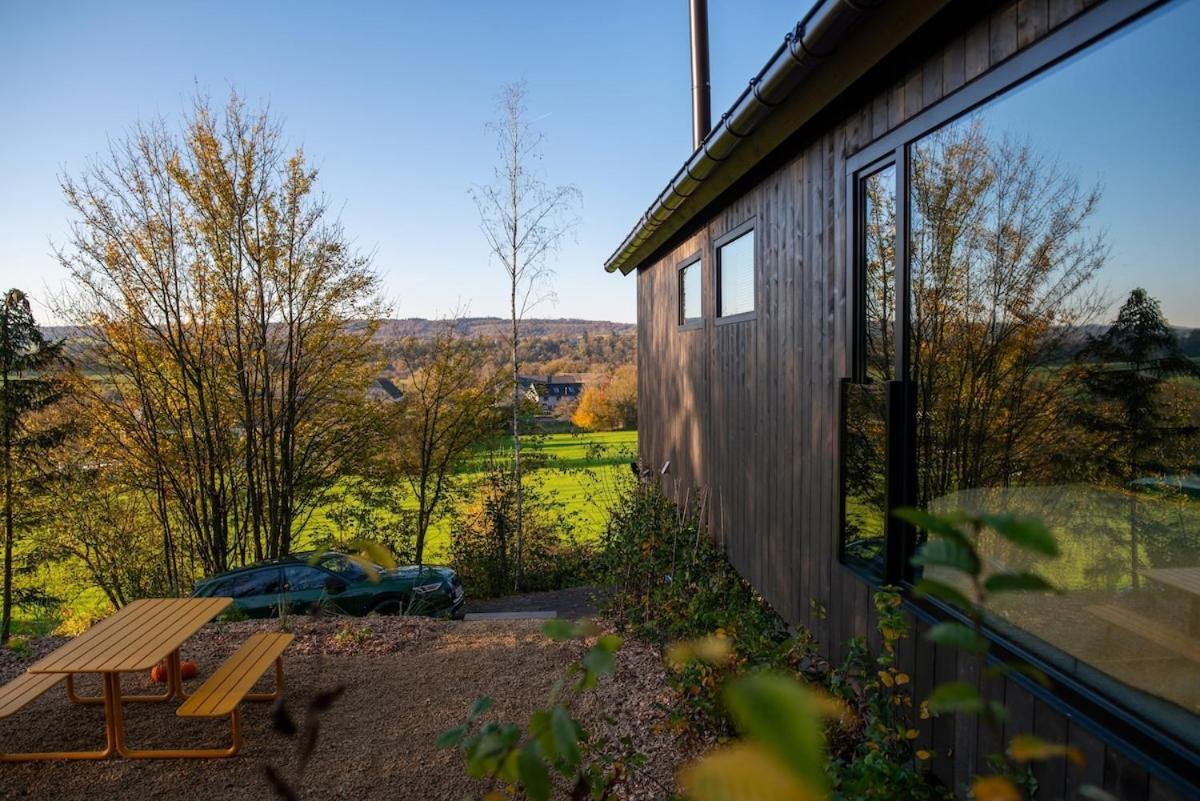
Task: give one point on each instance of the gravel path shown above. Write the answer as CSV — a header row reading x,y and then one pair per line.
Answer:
x,y
406,681
573,603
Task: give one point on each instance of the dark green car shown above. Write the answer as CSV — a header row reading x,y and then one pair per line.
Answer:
x,y
305,583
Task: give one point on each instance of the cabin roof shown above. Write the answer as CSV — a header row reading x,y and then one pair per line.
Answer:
x,y
833,46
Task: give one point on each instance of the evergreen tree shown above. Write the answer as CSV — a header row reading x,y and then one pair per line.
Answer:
x,y
26,387
1127,367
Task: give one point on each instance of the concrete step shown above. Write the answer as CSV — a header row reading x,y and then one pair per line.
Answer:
x,y
525,614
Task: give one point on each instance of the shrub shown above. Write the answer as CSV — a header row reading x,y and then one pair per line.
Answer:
x,y
668,582
483,546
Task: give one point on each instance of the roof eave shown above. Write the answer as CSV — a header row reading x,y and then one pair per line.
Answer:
x,y
816,63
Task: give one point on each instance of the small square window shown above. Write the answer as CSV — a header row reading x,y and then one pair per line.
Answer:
x,y
689,293
735,276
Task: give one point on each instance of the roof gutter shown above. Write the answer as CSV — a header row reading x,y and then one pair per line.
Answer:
x,y
804,48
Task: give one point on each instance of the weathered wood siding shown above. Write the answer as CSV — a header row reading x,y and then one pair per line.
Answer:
x,y
748,411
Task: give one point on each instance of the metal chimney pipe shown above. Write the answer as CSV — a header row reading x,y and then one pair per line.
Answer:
x,y
701,95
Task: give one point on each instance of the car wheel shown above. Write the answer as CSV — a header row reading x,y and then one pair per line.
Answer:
x,y
389,606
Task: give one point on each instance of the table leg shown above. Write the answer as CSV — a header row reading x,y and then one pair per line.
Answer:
x,y
167,695
112,687
110,742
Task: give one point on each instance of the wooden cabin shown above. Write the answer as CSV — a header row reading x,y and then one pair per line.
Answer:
x,y
940,254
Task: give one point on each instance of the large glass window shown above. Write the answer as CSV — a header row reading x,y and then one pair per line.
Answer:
x,y
864,452
735,276
689,293
1054,339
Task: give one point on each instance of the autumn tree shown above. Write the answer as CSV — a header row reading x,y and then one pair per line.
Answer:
x,y
1003,264
230,321
524,220
28,387
610,404
450,405
593,411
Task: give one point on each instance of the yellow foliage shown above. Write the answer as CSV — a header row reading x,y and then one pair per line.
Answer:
x,y
743,772
1028,748
994,788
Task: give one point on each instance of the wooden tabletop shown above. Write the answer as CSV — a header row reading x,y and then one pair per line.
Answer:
x,y
1183,578
137,637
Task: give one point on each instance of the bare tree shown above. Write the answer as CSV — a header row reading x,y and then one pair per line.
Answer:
x,y
524,221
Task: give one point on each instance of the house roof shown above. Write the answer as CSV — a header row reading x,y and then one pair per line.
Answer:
x,y
559,378
835,44
386,386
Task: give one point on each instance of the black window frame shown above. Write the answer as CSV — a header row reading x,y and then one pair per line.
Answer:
x,y
892,572
682,322
733,234
1084,702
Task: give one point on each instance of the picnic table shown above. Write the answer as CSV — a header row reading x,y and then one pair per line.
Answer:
x,y
136,638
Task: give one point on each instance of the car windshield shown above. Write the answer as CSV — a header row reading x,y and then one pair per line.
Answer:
x,y
341,566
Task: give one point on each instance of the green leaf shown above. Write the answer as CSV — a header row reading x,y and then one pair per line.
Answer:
x,y
559,629
1018,582
942,527
539,727
535,779
481,705
956,635
599,661
1017,668
955,696
927,587
778,712
610,643
451,737
566,741
945,553
1026,532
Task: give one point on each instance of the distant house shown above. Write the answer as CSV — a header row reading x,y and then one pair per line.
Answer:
x,y
384,391
852,296
549,391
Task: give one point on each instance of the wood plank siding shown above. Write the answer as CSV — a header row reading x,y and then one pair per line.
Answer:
x,y
748,412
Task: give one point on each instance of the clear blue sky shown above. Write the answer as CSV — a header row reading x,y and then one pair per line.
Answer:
x,y
390,100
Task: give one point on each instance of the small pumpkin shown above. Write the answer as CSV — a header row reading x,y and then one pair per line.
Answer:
x,y
160,672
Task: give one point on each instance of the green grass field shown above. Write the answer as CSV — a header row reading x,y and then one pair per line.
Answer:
x,y
578,471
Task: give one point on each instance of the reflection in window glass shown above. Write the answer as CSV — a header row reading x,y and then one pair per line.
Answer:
x,y
735,276
256,582
1055,339
300,578
865,416
689,293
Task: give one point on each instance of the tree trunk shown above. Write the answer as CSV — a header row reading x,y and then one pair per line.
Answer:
x,y
516,426
6,619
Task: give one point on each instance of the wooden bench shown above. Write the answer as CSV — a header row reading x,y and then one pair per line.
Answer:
x,y
1175,640
24,690
220,695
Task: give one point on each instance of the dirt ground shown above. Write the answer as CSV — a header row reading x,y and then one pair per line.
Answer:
x,y
406,681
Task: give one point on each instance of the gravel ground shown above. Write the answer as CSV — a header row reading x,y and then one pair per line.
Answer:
x,y
406,681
